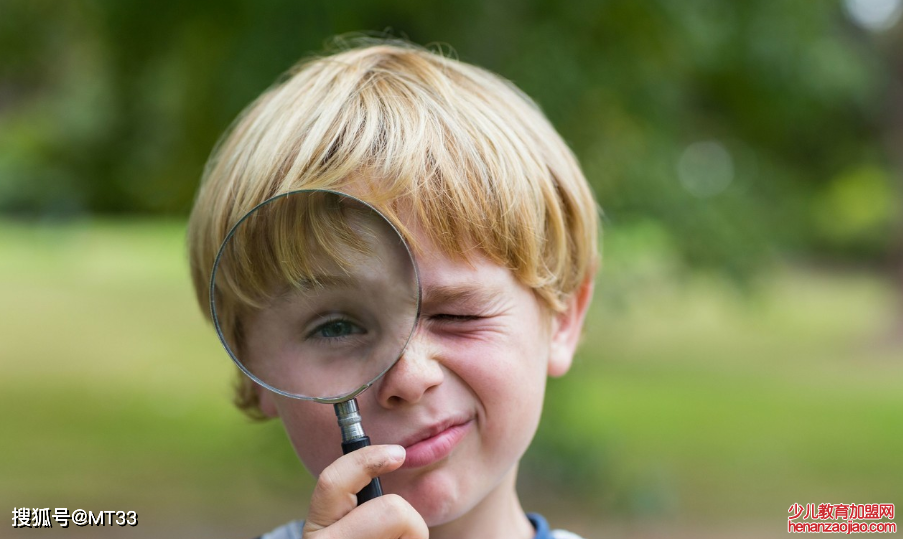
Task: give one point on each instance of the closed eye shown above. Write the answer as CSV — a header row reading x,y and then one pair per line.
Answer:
x,y
454,317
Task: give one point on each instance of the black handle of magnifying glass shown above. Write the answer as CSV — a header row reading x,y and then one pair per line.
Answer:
x,y
374,489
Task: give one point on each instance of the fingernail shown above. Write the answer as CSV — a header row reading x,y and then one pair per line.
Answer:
x,y
396,452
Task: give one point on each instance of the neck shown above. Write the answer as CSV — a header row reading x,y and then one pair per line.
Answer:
x,y
498,515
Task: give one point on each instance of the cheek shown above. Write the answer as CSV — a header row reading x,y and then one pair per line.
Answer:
x,y
313,432
508,377
513,366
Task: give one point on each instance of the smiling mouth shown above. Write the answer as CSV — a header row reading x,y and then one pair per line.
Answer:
x,y
435,443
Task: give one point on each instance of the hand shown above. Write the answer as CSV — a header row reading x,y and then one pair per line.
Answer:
x,y
334,513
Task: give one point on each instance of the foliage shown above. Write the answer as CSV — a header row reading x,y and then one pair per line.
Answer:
x,y
109,107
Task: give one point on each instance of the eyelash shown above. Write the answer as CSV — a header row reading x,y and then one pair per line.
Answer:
x,y
454,317
314,334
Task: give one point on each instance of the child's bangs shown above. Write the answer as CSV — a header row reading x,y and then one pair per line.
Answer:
x,y
290,242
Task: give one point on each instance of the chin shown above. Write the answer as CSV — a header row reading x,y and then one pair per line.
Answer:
x,y
436,495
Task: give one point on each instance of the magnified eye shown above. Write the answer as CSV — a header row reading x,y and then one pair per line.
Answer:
x,y
336,329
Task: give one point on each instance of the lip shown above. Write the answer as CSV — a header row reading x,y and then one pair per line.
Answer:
x,y
435,443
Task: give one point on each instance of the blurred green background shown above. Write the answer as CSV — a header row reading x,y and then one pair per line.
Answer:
x,y
745,348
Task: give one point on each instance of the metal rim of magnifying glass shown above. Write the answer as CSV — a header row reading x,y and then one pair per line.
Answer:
x,y
219,332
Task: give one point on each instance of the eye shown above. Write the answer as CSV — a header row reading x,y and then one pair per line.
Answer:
x,y
336,329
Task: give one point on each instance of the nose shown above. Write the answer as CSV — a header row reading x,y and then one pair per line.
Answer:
x,y
413,376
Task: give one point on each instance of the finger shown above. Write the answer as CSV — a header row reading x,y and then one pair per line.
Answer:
x,y
337,487
386,517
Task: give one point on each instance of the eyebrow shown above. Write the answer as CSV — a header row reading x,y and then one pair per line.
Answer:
x,y
439,295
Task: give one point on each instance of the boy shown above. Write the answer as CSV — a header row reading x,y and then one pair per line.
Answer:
x,y
503,226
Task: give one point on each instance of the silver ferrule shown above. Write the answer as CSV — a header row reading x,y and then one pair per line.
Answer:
x,y
349,420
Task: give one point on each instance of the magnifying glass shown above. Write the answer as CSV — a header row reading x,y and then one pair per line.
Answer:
x,y
314,295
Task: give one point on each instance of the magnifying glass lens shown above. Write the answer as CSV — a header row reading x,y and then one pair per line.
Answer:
x,y
315,294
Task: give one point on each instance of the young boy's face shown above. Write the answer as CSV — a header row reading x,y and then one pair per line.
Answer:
x,y
466,396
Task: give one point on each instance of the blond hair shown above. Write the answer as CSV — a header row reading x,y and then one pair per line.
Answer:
x,y
467,153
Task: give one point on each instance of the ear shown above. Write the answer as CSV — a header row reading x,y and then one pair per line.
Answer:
x,y
266,401
567,327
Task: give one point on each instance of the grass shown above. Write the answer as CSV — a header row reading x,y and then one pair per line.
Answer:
x,y
690,400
